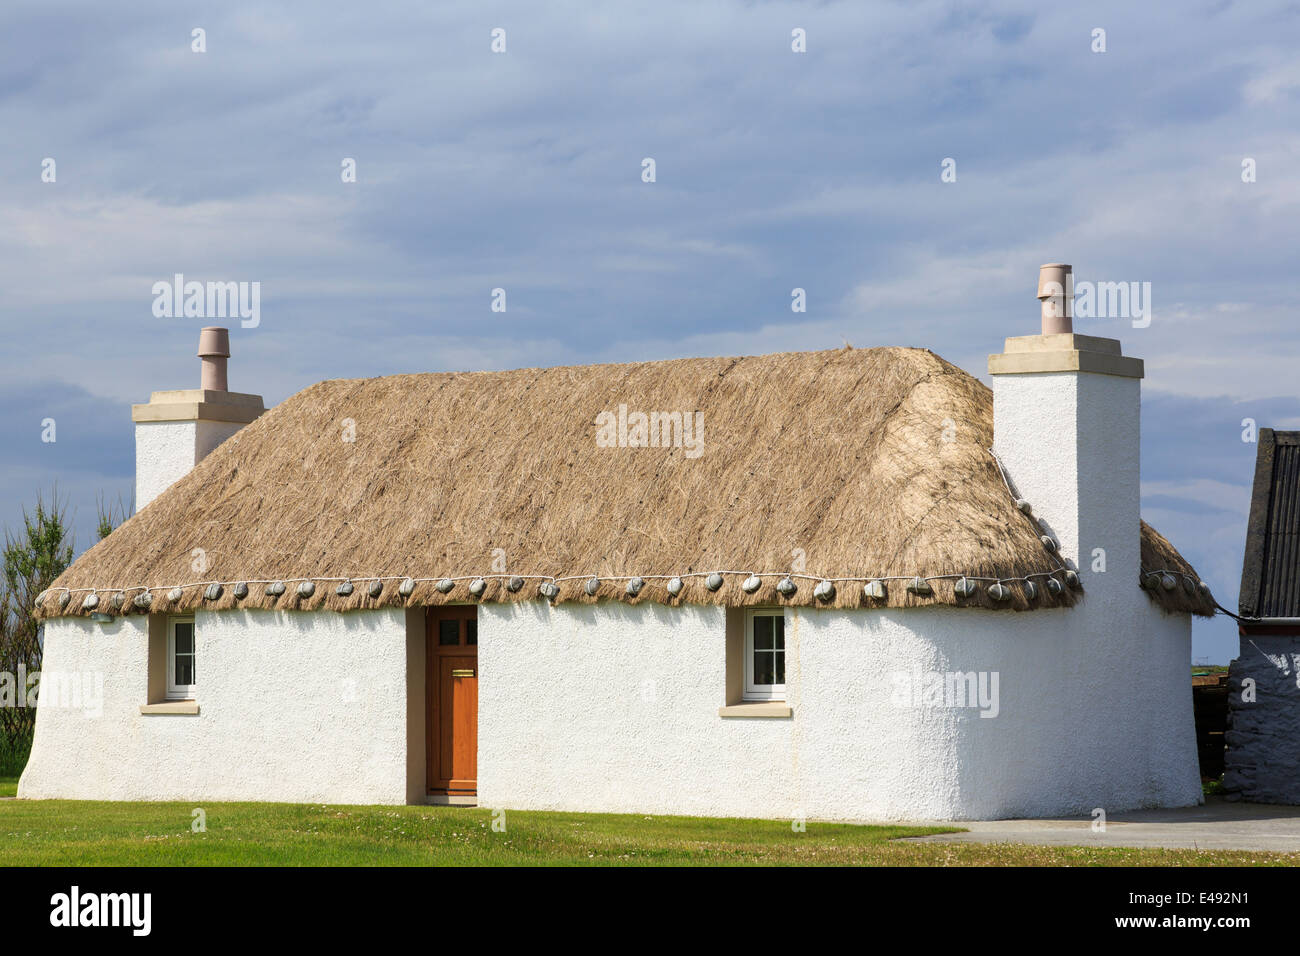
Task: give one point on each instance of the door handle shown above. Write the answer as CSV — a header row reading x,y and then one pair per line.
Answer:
x,y
462,672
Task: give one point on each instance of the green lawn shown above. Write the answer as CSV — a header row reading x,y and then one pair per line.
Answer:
x,y
8,786
77,833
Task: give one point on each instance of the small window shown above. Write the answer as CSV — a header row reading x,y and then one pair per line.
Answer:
x,y
765,655
449,632
181,679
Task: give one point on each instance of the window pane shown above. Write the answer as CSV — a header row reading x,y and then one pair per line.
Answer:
x,y
762,633
184,670
184,637
471,632
763,670
778,624
779,658
448,633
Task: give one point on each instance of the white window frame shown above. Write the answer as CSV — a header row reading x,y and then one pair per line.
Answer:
x,y
179,691
760,691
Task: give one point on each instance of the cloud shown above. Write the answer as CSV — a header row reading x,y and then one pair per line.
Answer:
x,y
775,170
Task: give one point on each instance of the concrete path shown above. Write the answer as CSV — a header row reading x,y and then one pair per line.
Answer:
x,y
1218,825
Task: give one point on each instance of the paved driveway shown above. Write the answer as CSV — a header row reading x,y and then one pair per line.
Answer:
x,y
1218,825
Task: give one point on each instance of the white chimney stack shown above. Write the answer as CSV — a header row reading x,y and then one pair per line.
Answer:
x,y
177,429
1066,426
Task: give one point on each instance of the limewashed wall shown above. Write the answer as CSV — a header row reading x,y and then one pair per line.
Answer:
x,y
292,707
615,708
166,451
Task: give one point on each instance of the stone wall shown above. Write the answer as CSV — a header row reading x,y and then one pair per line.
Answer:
x,y
1262,763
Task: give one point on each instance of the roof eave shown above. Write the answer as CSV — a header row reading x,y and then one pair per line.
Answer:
x,y
1252,567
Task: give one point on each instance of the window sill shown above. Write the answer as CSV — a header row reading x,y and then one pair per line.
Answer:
x,y
171,707
757,708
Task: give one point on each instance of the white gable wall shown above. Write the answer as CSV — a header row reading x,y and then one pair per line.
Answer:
x,y
293,707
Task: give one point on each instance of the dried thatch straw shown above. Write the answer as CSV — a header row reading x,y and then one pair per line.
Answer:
x,y
1160,558
820,464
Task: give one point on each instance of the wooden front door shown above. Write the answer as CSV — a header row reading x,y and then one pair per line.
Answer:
x,y
452,680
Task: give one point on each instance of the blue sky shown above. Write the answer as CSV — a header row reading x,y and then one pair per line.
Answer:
x,y
522,170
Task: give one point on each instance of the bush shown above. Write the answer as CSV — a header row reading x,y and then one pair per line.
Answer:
x,y
14,757
32,560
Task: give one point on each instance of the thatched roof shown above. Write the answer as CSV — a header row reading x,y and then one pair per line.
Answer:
x,y
848,465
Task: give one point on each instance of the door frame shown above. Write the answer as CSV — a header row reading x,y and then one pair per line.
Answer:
x,y
433,685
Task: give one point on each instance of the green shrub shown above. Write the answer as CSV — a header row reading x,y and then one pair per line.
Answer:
x,y
13,757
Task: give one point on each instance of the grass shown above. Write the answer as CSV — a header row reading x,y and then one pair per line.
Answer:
x,y
8,786
79,833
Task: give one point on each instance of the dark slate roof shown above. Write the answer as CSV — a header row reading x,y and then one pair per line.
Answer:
x,y
1270,575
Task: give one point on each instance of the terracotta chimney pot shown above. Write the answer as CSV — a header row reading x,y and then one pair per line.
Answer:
x,y
214,349
1056,293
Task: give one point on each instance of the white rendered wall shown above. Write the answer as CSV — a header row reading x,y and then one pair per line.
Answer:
x,y
293,707
166,451
1071,444
615,708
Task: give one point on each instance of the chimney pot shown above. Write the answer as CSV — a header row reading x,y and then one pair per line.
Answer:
x,y
177,428
1056,293
214,349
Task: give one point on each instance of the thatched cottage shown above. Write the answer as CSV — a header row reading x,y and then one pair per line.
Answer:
x,y
849,584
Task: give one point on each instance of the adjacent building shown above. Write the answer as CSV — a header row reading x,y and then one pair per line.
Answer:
x,y
1262,760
